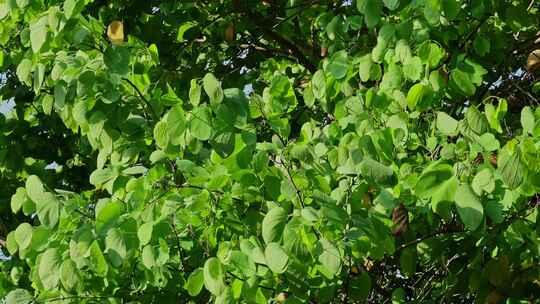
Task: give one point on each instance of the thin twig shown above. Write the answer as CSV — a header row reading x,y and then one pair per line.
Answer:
x,y
180,251
426,237
147,103
74,298
261,286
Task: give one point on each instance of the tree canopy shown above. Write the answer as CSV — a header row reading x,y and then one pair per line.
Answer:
x,y
269,151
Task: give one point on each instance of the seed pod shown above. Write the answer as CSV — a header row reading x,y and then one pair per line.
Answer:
x,y
115,32
400,219
282,297
324,51
230,33
533,61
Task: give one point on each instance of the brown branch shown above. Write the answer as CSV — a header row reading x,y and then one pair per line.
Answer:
x,y
261,22
427,237
268,52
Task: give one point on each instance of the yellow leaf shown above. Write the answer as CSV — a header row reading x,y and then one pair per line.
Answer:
x,y
115,32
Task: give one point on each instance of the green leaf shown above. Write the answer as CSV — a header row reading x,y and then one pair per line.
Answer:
x,y
282,95
201,123
407,261
417,95
310,214
23,235
476,120
377,172
489,142
527,120
135,170
161,135
413,68
403,51
463,82
18,199
19,296
319,85
392,79
243,263
451,8
69,274
116,246
48,210
106,215
371,9
214,276
432,177
330,258
195,282
71,7
116,58
360,287
149,257
333,28
309,100
482,45
60,94
144,233
483,181
49,268
431,54
223,143
469,207
47,104
273,224
338,65
24,71
194,92
509,165
38,33
183,29
176,125
391,4
101,176
212,87
432,11
225,297
443,197
97,260
276,258
39,75
364,67
447,124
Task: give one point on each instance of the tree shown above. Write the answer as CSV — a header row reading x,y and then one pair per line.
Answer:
x,y
243,151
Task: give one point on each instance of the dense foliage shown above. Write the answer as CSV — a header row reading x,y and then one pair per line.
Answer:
x,y
248,151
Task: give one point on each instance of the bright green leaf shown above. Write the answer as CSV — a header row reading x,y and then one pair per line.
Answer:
x,y
276,258
195,282
49,268
214,276
469,207
273,224
23,235
212,87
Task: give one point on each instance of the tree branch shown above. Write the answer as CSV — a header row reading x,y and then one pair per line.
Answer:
x,y
147,103
262,24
